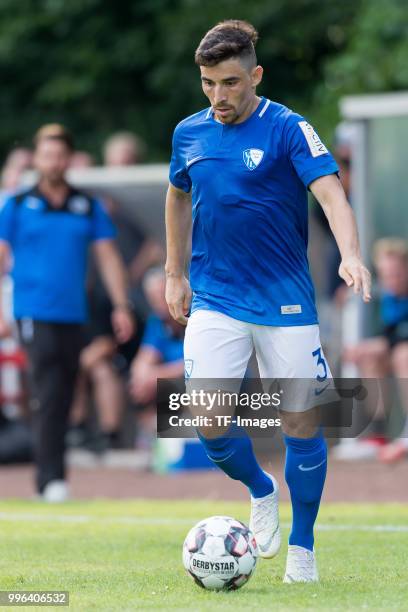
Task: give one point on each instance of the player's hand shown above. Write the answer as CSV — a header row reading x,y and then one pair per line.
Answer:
x,y
123,324
355,274
178,297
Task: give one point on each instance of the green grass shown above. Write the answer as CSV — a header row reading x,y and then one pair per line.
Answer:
x,y
110,561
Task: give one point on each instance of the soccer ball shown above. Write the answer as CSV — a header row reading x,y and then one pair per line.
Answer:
x,y
220,553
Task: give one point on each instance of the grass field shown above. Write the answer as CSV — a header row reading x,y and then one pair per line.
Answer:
x,y
127,556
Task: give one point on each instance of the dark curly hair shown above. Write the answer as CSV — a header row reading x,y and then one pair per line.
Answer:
x,y
232,38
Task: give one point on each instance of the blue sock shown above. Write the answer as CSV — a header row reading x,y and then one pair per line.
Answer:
x,y
235,456
305,484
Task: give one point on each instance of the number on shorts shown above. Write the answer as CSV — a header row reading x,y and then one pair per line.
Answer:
x,y
320,362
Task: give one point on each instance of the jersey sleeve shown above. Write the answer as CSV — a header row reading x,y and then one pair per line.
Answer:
x,y
309,156
102,226
178,174
153,335
7,220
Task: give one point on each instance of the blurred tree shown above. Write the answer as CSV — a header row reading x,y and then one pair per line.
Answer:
x,y
374,59
100,66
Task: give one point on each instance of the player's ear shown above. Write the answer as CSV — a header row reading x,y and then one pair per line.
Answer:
x,y
256,75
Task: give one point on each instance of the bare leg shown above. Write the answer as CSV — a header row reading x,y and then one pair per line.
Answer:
x,y
372,357
398,449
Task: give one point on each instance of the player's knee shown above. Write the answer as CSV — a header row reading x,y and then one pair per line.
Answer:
x,y
222,449
300,424
216,447
213,433
101,370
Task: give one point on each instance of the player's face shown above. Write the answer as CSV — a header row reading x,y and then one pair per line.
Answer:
x,y
230,88
52,159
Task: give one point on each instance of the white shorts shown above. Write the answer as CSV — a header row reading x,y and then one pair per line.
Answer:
x,y
217,346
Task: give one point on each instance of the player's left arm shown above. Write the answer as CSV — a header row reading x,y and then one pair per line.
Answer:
x,y
329,192
113,273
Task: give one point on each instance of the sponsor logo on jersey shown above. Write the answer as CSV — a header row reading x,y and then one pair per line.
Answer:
x,y
291,309
315,144
252,158
79,205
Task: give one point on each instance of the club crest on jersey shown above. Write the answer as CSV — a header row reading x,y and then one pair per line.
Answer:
x,y
188,368
34,203
78,205
252,158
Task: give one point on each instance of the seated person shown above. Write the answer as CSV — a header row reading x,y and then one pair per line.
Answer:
x,y
103,362
100,378
160,354
386,354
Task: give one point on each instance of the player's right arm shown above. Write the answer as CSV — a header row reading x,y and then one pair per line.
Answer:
x,y
178,235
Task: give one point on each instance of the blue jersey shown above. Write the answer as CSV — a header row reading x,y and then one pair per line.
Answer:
x,y
162,338
250,212
50,250
394,309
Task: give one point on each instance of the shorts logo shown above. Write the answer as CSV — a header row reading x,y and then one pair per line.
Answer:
x,y
188,368
252,158
320,391
315,144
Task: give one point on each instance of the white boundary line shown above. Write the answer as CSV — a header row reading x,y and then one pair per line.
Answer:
x,y
135,520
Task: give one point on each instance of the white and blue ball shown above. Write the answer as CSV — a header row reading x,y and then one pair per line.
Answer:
x,y
220,553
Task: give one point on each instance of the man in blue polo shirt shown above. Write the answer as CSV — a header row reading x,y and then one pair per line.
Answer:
x,y
48,229
240,171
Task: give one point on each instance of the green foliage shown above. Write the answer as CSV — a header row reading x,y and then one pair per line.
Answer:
x,y
375,58
100,66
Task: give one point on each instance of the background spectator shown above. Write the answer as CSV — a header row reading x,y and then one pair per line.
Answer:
x,y
386,354
124,149
49,228
102,361
160,354
81,159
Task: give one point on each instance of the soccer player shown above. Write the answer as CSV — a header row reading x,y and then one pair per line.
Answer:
x,y
246,164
